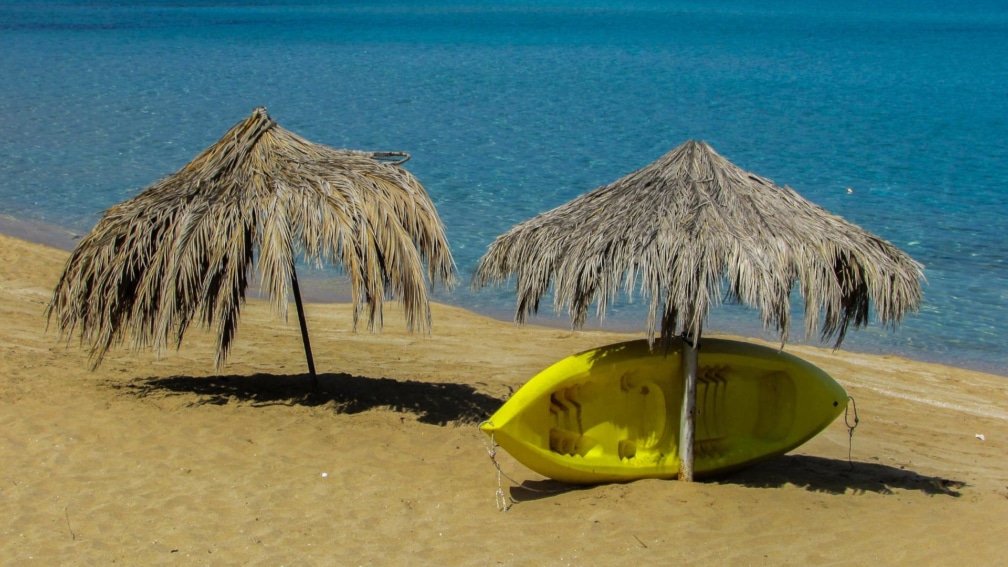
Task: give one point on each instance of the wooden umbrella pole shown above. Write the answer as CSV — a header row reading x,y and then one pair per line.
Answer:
x,y
687,424
304,329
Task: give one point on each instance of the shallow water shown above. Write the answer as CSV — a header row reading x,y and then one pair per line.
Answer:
x,y
513,108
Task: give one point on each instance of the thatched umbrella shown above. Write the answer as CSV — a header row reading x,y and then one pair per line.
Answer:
x,y
686,231
183,249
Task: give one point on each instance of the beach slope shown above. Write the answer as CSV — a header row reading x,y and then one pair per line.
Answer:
x,y
164,461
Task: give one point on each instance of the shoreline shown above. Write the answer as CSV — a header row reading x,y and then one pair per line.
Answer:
x,y
319,288
38,232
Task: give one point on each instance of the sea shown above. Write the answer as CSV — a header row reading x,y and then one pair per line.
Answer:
x,y
892,114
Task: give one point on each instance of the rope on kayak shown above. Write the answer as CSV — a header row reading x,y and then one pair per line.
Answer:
x,y
504,501
850,429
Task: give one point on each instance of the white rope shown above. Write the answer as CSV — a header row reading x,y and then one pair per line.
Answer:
x,y
850,429
504,501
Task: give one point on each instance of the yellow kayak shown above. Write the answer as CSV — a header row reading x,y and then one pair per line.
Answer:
x,y
612,413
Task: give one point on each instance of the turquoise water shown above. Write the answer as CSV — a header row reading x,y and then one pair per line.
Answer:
x,y
511,108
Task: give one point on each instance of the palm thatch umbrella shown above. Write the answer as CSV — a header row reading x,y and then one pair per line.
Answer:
x,y
690,229
183,250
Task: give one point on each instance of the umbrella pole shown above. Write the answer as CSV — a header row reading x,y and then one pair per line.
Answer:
x,y
687,424
304,329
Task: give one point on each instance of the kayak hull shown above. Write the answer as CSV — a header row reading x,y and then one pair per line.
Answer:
x,y
612,414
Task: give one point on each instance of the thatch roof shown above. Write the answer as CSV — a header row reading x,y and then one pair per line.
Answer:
x,y
692,228
182,251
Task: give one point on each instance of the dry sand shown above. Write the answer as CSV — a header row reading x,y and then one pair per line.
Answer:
x,y
152,461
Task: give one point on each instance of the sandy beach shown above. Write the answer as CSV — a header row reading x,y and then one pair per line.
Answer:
x,y
150,461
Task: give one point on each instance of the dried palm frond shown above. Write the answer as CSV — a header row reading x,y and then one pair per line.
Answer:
x,y
182,251
686,225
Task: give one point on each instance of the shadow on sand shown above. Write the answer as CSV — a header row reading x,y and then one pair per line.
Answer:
x,y
438,404
816,474
837,476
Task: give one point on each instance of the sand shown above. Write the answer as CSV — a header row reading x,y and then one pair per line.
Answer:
x,y
151,461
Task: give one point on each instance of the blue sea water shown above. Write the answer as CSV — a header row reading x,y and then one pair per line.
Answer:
x,y
511,108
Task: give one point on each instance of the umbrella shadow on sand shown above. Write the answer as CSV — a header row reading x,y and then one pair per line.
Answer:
x,y
438,404
815,474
